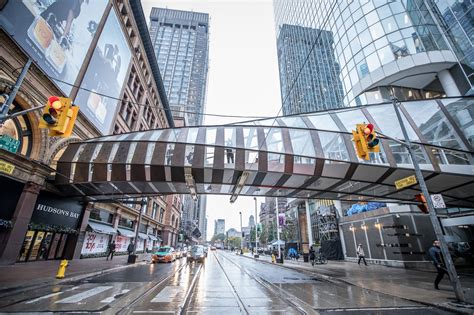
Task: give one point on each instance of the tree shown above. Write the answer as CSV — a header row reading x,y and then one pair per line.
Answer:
x,y
219,237
263,235
290,230
233,242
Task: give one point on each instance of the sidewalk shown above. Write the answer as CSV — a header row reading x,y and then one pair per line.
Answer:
x,y
409,284
22,275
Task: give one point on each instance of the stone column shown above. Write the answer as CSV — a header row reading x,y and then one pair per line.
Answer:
x,y
308,223
75,242
11,244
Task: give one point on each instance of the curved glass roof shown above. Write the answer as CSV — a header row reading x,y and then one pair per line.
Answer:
x,y
306,156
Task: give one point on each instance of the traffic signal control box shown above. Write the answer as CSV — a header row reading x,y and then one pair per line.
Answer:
x,y
422,203
59,116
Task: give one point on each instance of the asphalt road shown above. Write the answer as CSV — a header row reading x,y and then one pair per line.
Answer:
x,y
225,284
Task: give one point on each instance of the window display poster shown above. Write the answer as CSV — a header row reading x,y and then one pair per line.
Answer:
x,y
121,243
56,34
105,76
95,243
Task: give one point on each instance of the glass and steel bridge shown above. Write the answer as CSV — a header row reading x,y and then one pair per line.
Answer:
x,y
302,156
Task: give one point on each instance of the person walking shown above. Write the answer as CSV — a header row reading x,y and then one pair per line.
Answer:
x,y
435,255
312,255
361,254
111,251
130,248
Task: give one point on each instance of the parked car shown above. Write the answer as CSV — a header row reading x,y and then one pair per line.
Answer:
x,y
196,253
213,248
206,249
164,254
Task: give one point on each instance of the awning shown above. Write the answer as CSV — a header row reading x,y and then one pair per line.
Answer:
x,y
280,242
101,228
125,232
152,237
142,236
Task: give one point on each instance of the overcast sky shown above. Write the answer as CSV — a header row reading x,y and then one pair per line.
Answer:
x,y
243,76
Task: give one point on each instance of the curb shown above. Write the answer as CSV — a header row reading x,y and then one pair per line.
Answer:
x,y
78,276
338,281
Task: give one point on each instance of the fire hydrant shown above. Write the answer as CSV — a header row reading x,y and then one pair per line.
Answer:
x,y
62,269
273,258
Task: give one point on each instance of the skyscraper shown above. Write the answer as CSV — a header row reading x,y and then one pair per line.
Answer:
x,y
309,74
219,226
181,43
381,47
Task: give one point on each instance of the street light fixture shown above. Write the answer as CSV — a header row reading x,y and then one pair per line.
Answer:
x,y
238,187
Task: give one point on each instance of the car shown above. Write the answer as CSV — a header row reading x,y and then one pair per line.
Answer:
x,y
164,254
213,248
206,249
196,253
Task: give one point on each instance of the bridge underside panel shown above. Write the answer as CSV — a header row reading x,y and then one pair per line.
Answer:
x,y
305,156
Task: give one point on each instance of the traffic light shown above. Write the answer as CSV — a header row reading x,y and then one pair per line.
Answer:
x,y
423,205
365,140
59,116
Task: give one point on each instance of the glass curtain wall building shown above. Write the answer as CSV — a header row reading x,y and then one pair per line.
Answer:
x,y
312,68
181,43
383,46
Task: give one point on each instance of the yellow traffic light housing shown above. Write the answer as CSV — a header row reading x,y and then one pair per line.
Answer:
x,y
365,140
59,116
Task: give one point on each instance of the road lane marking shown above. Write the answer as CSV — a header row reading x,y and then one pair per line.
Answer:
x,y
167,294
84,295
43,297
112,298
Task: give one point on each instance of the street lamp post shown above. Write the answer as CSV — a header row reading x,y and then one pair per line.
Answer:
x,y
432,212
241,235
256,229
142,209
278,229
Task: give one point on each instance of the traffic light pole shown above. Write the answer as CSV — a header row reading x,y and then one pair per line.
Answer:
x,y
9,101
432,212
142,208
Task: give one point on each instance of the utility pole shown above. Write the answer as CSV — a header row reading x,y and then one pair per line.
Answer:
x,y
142,209
9,99
241,235
256,229
278,229
432,212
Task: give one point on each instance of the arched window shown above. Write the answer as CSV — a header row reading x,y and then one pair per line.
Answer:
x,y
18,128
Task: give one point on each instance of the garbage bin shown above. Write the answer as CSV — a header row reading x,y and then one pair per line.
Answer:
x,y
131,259
306,257
280,260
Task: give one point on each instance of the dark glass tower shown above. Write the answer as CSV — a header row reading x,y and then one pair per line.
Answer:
x,y
181,42
309,73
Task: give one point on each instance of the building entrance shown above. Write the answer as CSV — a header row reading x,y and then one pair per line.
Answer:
x,y
42,245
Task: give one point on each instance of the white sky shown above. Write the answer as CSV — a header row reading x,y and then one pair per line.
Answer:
x,y
243,76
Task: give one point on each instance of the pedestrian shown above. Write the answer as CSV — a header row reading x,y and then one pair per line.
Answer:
x,y
130,248
361,254
435,255
111,251
312,254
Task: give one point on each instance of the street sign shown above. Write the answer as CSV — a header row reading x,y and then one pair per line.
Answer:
x,y
6,167
438,201
9,144
405,182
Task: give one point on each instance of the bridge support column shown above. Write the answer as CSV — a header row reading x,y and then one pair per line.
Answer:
x,y
10,244
74,251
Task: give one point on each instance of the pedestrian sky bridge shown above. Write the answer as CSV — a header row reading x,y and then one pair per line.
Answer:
x,y
303,156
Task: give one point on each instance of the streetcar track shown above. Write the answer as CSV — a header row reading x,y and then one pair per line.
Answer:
x,y
279,292
182,307
129,307
234,291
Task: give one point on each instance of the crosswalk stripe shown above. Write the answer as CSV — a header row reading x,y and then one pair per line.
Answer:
x,y
43,297
112,298
84,295
166,295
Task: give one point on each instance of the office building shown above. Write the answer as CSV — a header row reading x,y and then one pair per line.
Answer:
x,y
219,226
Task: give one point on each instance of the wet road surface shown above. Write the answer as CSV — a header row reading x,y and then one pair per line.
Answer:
x,y
225,284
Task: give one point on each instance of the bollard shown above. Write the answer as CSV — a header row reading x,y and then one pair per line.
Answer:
x,y
62,269
273,258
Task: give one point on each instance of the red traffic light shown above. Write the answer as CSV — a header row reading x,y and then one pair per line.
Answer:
x,y
423,206
368,129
